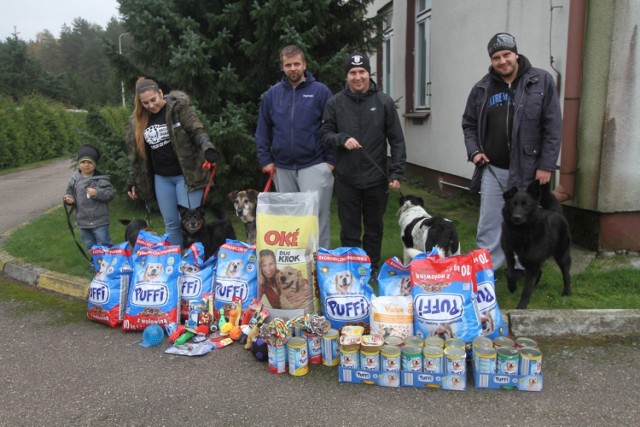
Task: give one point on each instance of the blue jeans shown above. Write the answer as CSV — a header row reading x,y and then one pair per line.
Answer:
x,y
172,191
95,236
490,221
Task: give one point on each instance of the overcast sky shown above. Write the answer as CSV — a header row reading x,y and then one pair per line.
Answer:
x,y
29,17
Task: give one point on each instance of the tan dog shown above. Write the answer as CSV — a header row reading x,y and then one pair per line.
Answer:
x,y
294,288
343,282
244,204
152,272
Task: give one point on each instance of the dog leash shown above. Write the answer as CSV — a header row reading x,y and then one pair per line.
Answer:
x,y
210,167
368,156
68,210
267,187
496,177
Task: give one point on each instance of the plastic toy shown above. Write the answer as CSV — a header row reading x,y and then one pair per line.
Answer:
x,y
259,349
235,333
151,336
184,338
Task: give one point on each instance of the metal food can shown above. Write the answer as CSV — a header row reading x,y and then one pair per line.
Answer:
x,y
330,356
393,340
349,358
432,359
414,341
500,342
484,360
507,361
390,359
454,342
455,360
411,358
479,342
277,358
434,341
314,344
370,360
298,356
523,342
530,361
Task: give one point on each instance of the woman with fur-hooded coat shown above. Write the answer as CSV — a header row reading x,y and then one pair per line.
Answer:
x,y
167,145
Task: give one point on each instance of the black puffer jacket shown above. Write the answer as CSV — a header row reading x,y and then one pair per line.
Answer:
x,y
372,119
189,140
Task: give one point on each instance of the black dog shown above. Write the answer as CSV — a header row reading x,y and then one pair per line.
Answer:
x,y
196,229
133,229
534,229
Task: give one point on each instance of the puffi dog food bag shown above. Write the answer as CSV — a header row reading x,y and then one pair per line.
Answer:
x,y
343,279
235,274
287,240
491,322
154,295
109,287
444,297
394,278
197,277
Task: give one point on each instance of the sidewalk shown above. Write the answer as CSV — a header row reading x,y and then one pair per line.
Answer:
x,y
538,324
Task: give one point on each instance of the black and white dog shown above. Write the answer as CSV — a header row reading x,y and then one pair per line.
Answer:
x,y
420,231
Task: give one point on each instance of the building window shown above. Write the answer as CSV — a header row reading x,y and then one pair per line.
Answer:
x,y
422,74
387,35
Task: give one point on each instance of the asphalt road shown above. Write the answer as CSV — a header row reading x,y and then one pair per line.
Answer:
x,y
62,374
27,194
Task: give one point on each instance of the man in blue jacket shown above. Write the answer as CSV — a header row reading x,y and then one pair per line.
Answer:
x,y
360,123
288,136
512,128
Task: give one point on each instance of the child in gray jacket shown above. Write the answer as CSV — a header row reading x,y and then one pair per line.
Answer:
x,y
90,191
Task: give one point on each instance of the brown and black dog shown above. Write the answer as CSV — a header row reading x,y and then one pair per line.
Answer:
x,y
244,204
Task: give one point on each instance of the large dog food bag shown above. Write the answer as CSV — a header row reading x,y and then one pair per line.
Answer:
x,y
287,240
109,287
444,297
343,279
394,278
154,295
236,272
197,277
491,322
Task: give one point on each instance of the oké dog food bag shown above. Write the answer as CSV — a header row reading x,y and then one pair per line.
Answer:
x,y
109,287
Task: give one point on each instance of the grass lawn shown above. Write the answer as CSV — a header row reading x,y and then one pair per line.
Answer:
x,y
47,242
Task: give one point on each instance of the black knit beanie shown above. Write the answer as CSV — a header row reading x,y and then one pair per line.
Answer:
x,y
88,152
502,41
357,59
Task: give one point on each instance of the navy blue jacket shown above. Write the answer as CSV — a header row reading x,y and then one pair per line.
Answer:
x,y
288,132
537,125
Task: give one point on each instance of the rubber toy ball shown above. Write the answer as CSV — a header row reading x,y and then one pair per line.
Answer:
x,y
151,336
259,349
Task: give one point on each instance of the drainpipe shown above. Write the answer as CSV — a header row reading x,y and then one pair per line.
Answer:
x,y
572,94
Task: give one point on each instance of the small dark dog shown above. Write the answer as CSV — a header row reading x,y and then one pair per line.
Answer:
x,y
534,229
245,203
133,229
420,232
196,229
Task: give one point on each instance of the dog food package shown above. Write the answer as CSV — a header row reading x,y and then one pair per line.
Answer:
x,y
343,279
154,295
491,322
236,274
147,239
444,297
109,287
394,278
392,316
287,240
197,277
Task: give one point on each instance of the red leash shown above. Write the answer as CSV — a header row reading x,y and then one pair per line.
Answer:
x,y
268,186
212,168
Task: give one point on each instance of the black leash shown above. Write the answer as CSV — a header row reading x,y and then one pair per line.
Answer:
x,y
68,210
496,177
368,156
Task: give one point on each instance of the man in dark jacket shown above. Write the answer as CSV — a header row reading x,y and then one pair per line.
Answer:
x,y
512,128
288,136
358,123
